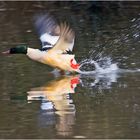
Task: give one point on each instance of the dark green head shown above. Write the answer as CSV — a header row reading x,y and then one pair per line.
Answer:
x,y
20,49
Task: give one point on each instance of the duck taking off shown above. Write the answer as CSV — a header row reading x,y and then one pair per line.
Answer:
x,y
57,44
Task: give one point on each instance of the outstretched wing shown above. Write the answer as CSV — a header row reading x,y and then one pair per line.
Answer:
x,y
66,39
48,30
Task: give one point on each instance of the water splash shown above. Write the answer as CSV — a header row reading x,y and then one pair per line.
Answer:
x,y
104,72
106,67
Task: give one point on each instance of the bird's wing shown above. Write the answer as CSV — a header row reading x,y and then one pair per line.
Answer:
x,y
66,40
48,29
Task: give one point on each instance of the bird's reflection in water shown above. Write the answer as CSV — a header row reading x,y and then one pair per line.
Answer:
x,y
57,107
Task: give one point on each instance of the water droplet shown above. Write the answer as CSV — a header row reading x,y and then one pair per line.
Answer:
x,y
29,31
133,19
79,137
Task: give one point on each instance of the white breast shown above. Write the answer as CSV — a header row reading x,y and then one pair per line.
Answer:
x,y
35,54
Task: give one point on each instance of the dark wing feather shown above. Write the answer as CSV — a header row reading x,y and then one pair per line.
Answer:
x,y
47,29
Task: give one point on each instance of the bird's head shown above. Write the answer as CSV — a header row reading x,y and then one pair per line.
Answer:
x,y
20,49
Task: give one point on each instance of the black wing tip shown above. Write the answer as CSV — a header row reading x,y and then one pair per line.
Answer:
x,y
68,52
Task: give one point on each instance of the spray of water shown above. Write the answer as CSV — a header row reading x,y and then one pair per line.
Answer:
x,y
107,67
104,72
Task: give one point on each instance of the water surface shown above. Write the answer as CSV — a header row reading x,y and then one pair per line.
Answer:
x,y
38,103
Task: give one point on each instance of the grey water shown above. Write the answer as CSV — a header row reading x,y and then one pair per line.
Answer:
x,y
101,102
